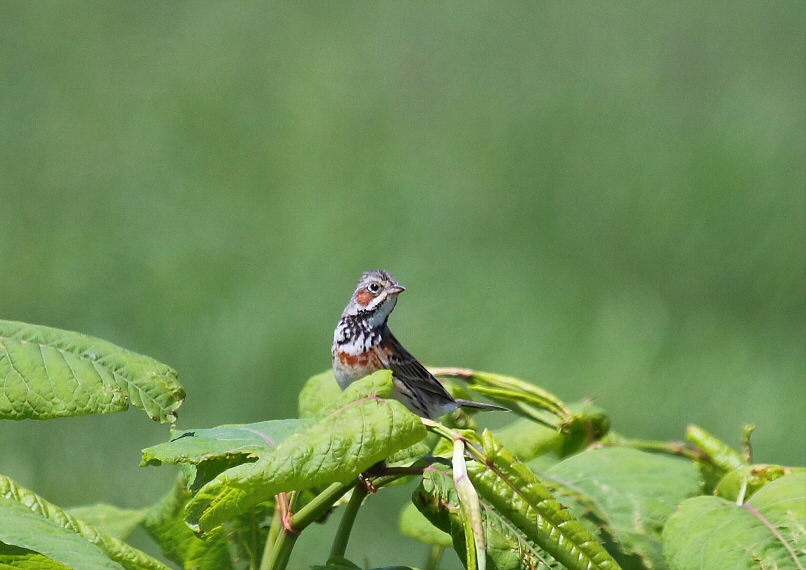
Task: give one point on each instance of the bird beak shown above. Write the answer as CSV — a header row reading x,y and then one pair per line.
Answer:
x,y
395,289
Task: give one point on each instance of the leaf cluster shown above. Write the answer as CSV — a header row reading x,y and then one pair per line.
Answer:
x,y
554,488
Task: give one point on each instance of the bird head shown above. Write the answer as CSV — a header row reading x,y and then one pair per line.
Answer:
x,y
375,295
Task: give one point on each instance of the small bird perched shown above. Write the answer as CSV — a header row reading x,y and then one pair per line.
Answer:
x,y
363,344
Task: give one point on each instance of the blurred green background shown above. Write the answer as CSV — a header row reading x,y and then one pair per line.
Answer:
x,y
607,200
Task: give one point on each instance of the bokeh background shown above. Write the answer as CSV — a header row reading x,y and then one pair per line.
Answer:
x,y
607,200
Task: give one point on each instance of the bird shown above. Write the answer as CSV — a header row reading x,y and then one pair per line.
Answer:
x,y
363,344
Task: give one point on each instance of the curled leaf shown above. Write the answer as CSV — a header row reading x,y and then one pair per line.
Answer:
x,y
720,453
471,509
510,391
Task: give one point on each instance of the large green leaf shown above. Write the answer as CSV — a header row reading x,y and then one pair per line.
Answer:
x,y
50,373
21,527
214,450
31,522
198,445
165,523
336,447
204,453
109,519
318,393
18,558
767,532
635,492
516,493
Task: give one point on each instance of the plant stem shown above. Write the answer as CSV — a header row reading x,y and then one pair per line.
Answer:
x,y
278,552
451,435
747,449
339,547
281,542
434,556
670,447
322,503
274,529
254,540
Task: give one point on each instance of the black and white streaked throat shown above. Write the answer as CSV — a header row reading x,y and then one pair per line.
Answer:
x,y
363,320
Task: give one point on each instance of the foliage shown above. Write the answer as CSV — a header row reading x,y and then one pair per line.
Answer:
x,y
49,373
553,489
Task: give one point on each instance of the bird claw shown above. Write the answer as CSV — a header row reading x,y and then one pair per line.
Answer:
x,y
365,481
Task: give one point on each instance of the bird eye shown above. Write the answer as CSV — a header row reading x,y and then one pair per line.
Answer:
x,y
374,288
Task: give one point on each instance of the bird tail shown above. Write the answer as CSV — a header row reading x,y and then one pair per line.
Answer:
x,y
481,405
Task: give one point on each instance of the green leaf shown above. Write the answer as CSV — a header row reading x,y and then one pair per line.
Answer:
x,y
39,516
50,373
520,497
198,445
748,479
340,563
375,385
408,455
723,456
768,531
109,519
508,547
508,390
588,424
165,523
470,506
208,452
337,563
414,525
319,392
635,493
21,527
336,448
24,559
527,439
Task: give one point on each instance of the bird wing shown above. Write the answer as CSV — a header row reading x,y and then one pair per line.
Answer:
x,y
414,375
